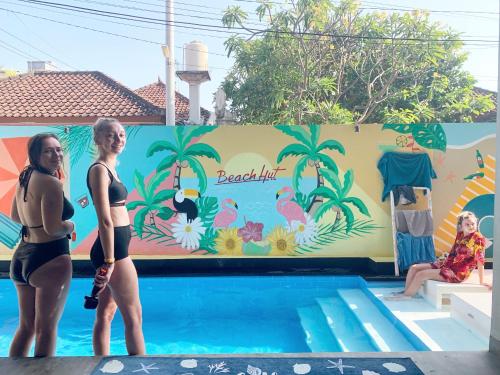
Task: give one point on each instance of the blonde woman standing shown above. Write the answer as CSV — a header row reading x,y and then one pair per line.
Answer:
x,y
115,272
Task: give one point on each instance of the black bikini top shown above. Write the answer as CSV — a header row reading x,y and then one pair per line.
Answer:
x,y
117,191
67,212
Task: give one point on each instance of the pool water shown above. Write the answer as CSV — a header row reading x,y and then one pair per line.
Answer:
x,y
236,314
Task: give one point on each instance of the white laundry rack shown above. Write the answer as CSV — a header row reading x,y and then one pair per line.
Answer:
x,y
427,192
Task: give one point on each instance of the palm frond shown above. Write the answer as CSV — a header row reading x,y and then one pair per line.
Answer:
x,y
76,140
328,234
157,234
132,130
194,131
199,172
157,179
331,144
296,132
161,146
315,130
297,172
202,149
294,149
328,162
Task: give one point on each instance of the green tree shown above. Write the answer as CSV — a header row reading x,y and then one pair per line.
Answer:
x,y
338,198
153,202
310,153
319,61
183,155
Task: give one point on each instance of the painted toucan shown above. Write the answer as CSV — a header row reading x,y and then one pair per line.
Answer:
x,y
183,204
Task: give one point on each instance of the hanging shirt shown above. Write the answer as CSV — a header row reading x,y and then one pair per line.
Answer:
x,y
402,168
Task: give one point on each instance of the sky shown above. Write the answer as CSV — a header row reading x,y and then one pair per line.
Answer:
x,y
133,55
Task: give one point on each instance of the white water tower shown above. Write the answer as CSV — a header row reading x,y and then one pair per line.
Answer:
x,y
195,73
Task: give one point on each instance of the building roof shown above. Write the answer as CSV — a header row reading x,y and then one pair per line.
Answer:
x,y
72,97
156,92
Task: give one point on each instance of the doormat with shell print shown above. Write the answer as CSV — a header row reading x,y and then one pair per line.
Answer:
x,y
196,365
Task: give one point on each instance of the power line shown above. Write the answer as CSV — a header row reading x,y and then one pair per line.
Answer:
x,y
36,48
216,28
19,52
113,22
109,33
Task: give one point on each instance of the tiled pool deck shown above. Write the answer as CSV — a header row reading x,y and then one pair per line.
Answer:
x,y
431,363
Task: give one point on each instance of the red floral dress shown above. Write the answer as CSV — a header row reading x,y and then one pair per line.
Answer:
x,y
467,252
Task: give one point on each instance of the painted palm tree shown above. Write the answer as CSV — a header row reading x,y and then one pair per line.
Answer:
x,y
153,202
337,197
78,140
183,155
310,154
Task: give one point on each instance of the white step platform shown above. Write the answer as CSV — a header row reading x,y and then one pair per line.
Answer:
x,y
318,335
384,335
434,327
438,293
473,310
344,327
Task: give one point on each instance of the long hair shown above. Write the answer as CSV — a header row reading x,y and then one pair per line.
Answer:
x,y
35,145
465,215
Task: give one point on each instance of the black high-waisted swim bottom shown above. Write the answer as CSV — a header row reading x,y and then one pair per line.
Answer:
x,y
122,240
29,256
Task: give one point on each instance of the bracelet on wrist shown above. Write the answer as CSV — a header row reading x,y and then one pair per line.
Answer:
x,y
109,260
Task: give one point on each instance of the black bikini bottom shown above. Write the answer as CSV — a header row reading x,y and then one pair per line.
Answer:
x,y
29,256
122,240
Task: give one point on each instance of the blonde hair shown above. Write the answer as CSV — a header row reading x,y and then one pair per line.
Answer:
x,y
102,124
465,215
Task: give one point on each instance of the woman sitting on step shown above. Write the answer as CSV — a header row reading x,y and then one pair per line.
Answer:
x,y
466,254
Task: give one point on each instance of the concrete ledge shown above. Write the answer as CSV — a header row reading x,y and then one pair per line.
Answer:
x,y
473,310
438,293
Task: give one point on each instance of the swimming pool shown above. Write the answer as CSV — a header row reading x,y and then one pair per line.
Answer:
x,y
235,314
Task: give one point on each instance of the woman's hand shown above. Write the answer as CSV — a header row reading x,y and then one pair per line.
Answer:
x,y
103,274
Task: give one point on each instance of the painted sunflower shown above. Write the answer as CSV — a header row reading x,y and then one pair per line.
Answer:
x,y
228,242
282,242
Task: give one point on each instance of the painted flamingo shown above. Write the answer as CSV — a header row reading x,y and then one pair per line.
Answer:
x,y
290,210
228,214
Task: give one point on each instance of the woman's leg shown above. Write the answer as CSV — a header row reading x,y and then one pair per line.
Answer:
x,y
416,268
419,278
105,313
26,330
51,281
125,288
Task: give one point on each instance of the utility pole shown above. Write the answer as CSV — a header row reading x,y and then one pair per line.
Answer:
x,y
495,314
170,65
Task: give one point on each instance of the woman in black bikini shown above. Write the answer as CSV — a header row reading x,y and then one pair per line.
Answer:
x,y
41,266
115,272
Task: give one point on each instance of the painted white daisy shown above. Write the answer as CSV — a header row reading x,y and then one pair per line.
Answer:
x,y
304,233
188,234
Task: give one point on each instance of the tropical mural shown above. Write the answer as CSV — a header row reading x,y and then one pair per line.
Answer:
x,y
263,191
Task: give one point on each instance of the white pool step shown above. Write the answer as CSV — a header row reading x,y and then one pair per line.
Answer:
x,y
384,335
345,326
318,335
473,310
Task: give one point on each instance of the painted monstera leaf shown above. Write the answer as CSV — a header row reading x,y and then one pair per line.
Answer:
x,y
431,136
400,128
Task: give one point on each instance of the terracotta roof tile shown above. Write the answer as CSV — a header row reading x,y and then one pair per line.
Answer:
x,y
70,94
155,93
